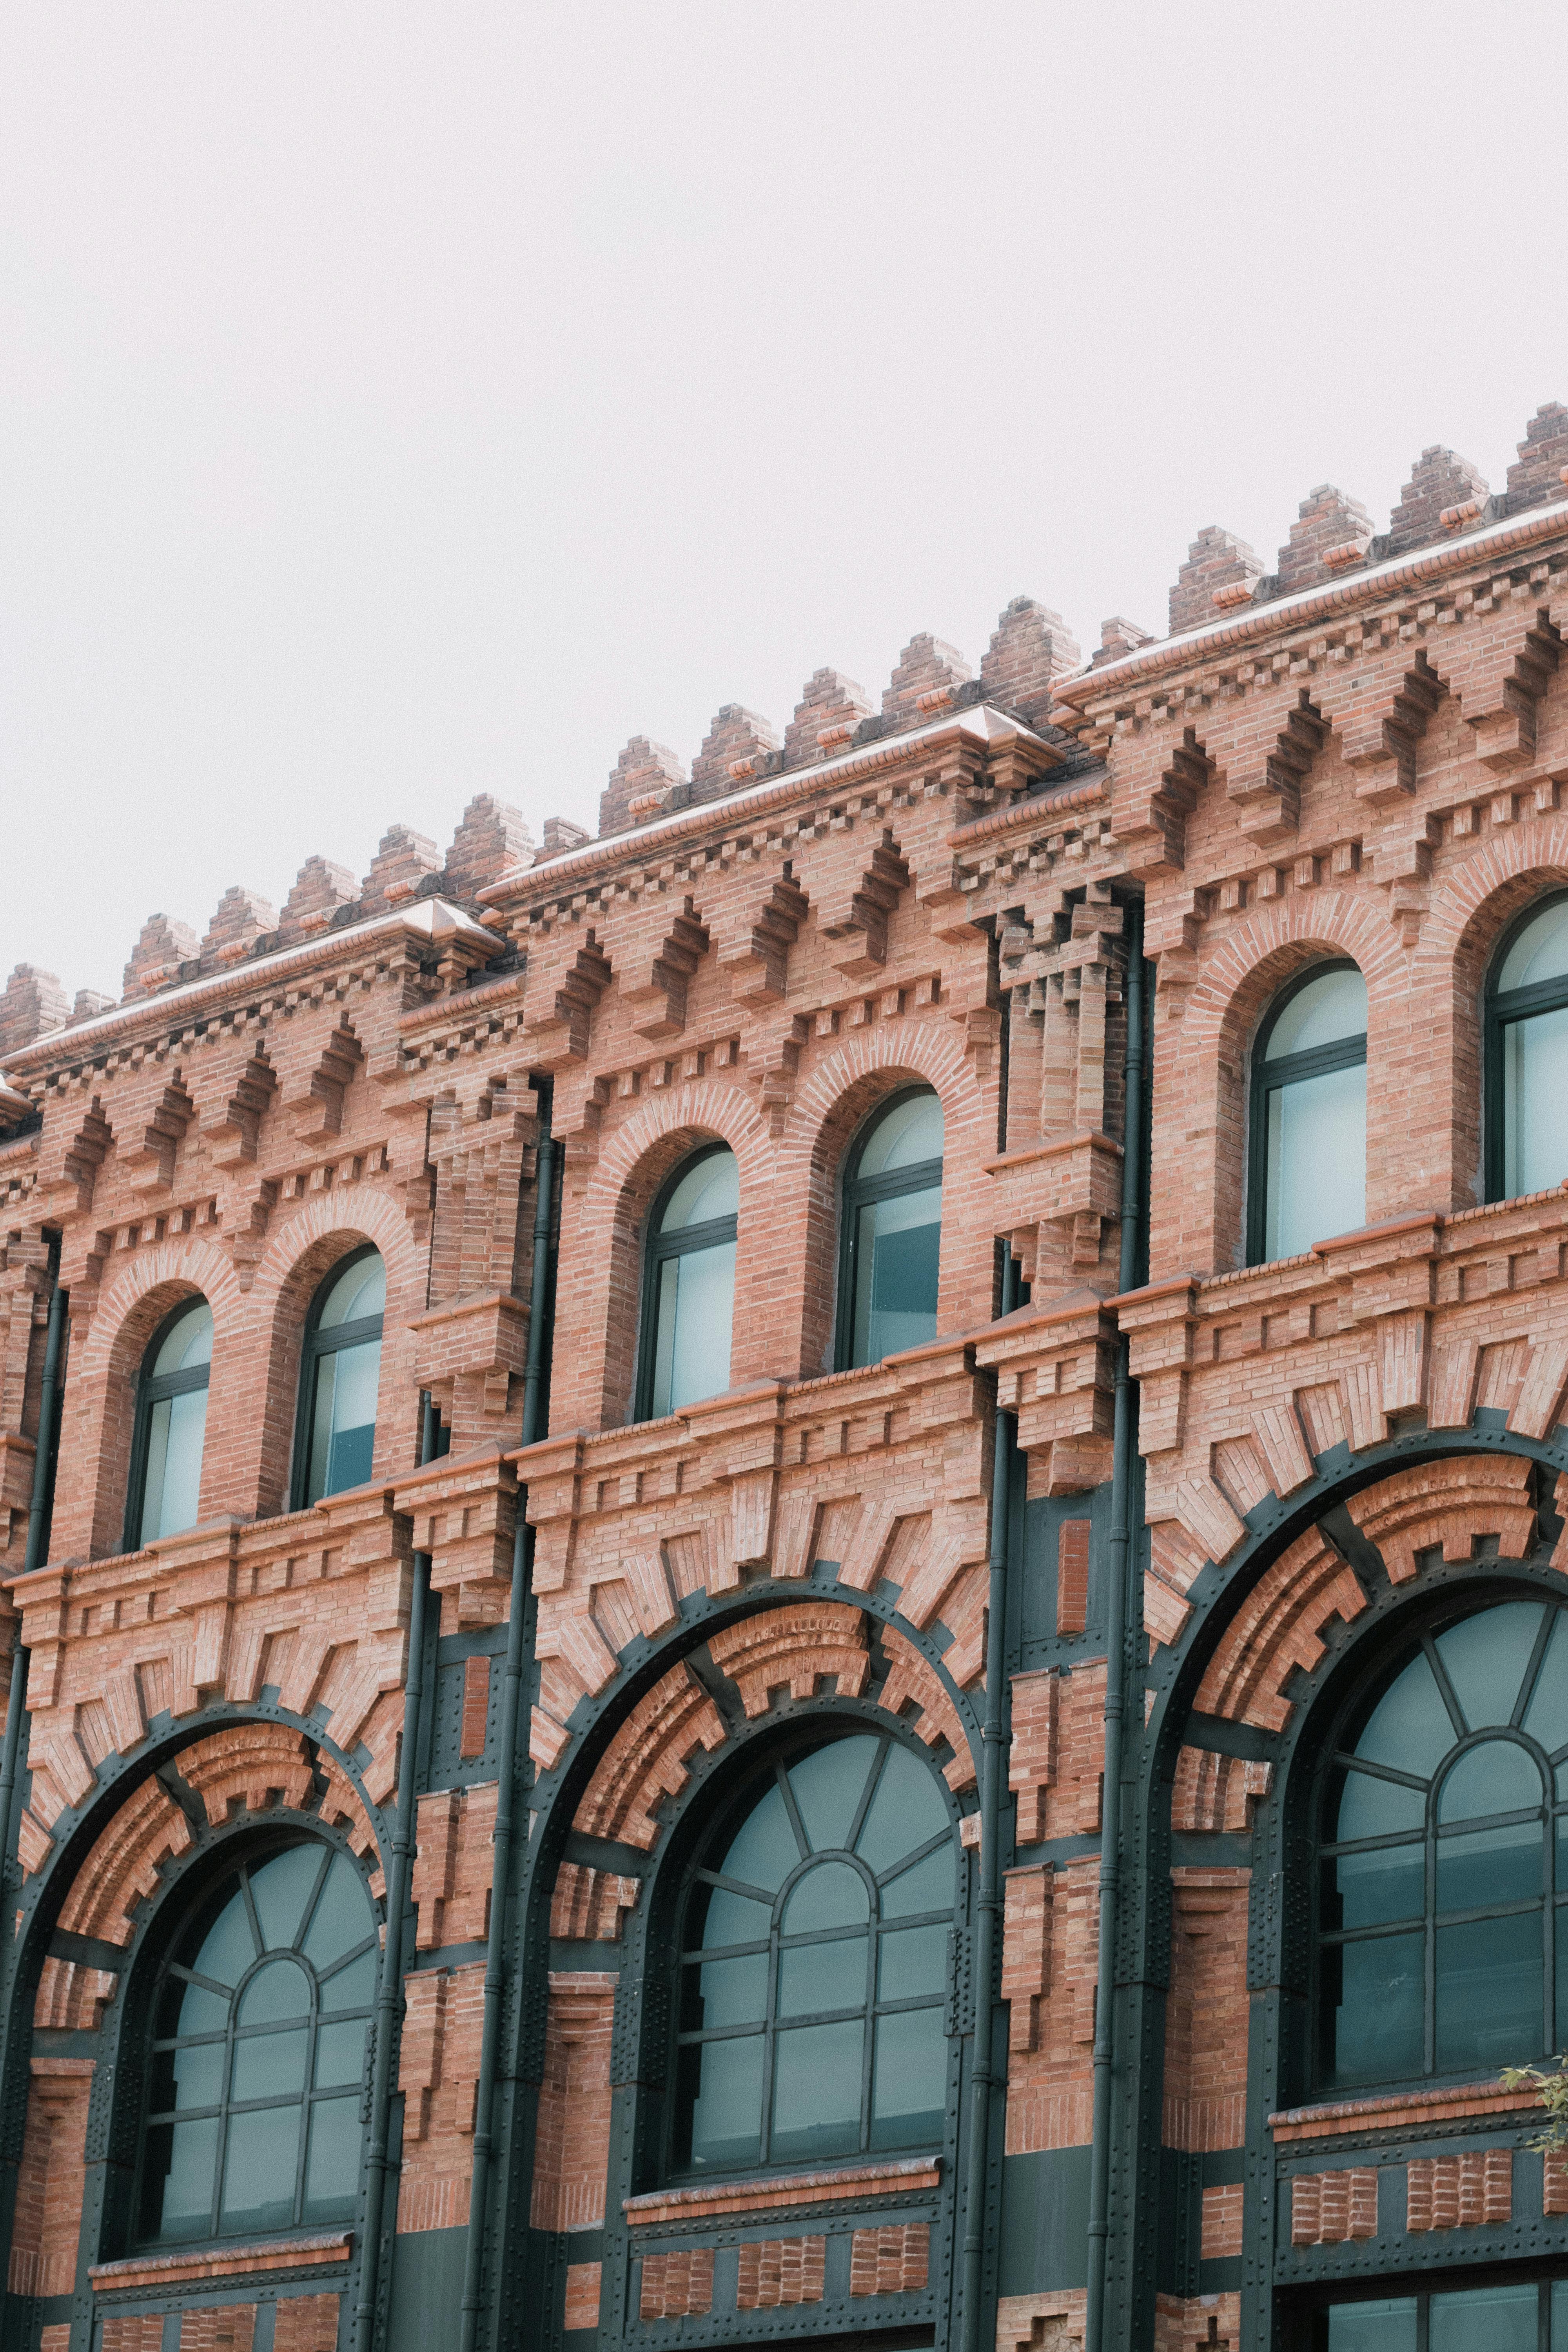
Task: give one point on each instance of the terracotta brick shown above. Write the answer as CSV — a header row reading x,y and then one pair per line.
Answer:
x,y
306,2323
891,2260
777,2271
676,2284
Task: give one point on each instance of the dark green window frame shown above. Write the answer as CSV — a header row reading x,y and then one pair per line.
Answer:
x,y
316,1344
152,1388
1500,1012
1270,1077
659,1248
1397,2315
858,1192
1330,1937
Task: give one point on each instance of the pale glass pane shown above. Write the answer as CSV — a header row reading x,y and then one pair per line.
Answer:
x,y
1485,1657
1372,1807
1316,1160
266,2066
816,2091
353,1987
727,2114
1539,952
710,1189
1327,1010
909,2086
1534,1103
1410,1728
908,1810
765,1849
928,1886
913,1960
1376,1888
280,1889
828,1786
360,1290
259,2168
176,1427
282,1990
733,1919
229,1947
191,2010
342,1437
341,1918
188,1342
1498,1777
832,1895
733,1992
1546,1717
897,1253
1486,1866
331,2167
181,2162
1485,2319
1373,2326
696,1312
817,1977
340,2054
903,1137
1374,2028
1489,1978
198,2075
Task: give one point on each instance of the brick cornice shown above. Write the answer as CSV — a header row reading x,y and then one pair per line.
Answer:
x,y
221,2262
662,2206
1403,2111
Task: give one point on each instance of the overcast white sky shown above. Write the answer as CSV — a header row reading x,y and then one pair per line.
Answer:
x,y
403,401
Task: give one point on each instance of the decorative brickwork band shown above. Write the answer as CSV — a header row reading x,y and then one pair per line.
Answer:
x,y
306,2323
892,2259
1460,2192
676,2286
776,2271
231,2327
1328,2208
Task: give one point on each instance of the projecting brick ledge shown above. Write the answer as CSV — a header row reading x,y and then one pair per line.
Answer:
x,y
662,2206
222,2262
1404,2111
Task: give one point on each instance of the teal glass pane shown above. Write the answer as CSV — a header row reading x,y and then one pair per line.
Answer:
x,y
1485,1657
727,2111
1409,1729
1315,1146
1489,1986
342,1437
1534,1103
907,1811
928,1886
816,2091
695,1307
229,1947
280,1890
269,2066
1487,1866
1370,1808
897,1252
733,1992
259,2168
1373,1889
764,1851
830,1894
190,2008
332,2162
280,1989
913,1960
828,1786
353,1987
1560,2315
1546,1717
1498,1777
342,1919
1373,2326
172,1478
340,2054
815,1977
1372,2009
908,2081
1486,2319
177,2188
734,1919
1327,1011
196,2075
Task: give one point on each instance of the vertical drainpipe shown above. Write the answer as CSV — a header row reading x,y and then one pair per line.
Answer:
x,y
512,1711
1133,1209
389,1993
33,1557
988,1908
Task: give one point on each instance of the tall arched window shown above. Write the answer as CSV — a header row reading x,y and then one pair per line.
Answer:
x,y
339,1377
813,1963
257,2064
170,1426
1527,1056
689,1284
1445,1857
1309,1115
893,1231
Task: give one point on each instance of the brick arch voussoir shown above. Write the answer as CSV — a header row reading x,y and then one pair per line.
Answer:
x,y
892,1050
1473,905
1253,960
174,1266
700,1106
357,1214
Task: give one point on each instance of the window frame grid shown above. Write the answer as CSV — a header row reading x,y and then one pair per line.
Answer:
x,y
1422,2292
658,1248
858,1193
152,1388
1502,1011
312,1348
1271,1077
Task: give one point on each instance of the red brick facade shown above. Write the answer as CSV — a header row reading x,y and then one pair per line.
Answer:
x,y
1358,756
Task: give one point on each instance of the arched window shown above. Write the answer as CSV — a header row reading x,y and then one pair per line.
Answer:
x,y
259,2024
170,1427
1309,1115
335,1435
814,1964
689,1284
1527,1056
1445,1857
893,1231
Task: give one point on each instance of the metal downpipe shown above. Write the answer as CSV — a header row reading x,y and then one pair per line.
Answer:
x,y
389,1993
33,1557
1116,1618
988,1908
512,1712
